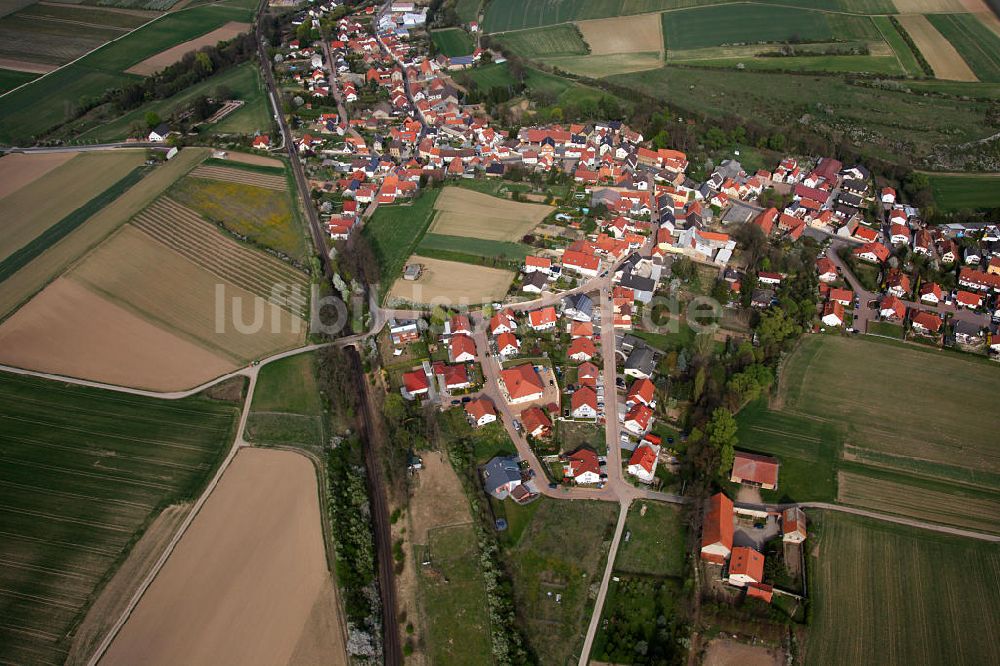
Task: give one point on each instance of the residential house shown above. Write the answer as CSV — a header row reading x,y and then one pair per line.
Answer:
x,y
897,284
833,314
968,299
925,323
544,319
755,470
638,419
502,322
536,422
717,530
578,307
415,383
892,308
746,566
843,296
458,324
641,392
534,264
535,283
159,134
508,345
826,269
403,331
480,412
874,253
587,374
769,278
454,377
641,363
501,475
642,464
583,403
968,333
581,329
521,384
583,466
930,292
581,349
585,264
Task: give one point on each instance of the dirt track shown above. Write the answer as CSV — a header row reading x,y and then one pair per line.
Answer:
x,y
248,583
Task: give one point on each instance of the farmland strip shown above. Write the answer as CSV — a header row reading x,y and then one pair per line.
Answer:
x,y
241,176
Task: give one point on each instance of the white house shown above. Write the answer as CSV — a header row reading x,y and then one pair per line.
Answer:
x,y
159,134
584,403
642,464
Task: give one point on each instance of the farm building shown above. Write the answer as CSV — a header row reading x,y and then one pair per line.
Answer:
x,y
717,530
793,525
755,470
746,567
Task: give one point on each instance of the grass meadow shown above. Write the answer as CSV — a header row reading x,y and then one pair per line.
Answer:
x,y
954,192
558,40
884,593
286,407
656,544
561,552
475,246
467,10
10,79
453,595
84,472
453,42
395,232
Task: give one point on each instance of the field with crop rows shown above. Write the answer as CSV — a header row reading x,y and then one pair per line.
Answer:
x,y
978,45
462,212
559,40
84,472
263,215
504,15
10,79
957,191
49,101
888,594
185,232
242,176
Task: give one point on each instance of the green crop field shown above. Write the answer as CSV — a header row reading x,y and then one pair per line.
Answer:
x,y
978,45
453,42
490,76
286,407
559,40
453,594
855,421
748,24
84,473
467,10
778,99
10,79
907,58
966,191
844,63
656,544
504,15
884,594
395,231
51,100
560,552
476,246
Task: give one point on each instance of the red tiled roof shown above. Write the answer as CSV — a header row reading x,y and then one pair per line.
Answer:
x,y
415,380
534,418
718,523
641,414
581,329
584,460
755,468
461,344
581,346
521,381
968,299
542,317
479,408
761,591
507,339
642,391
842,295
644,456
587,373
537,262
927,320
584,396
748,562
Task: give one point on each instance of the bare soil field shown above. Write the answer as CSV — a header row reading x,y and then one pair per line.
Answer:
x,y
248,582
25,66
725,652
20,169
623,34
32,278
931,6
69,330
155,63
258,160
940,54
56,191
166,289
268,181
463,212
451,282
971,511
438,498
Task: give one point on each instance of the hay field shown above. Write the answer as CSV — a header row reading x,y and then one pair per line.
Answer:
x,y
155,63
971,510
287,409
254,159
20,169
248,582
32,278
886,594
84,473
599,66
70,330
899,400
44,201
452,283
940,54
462,212
623,34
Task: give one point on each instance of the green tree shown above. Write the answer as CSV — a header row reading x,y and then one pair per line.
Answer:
x,y
721,430
152,119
